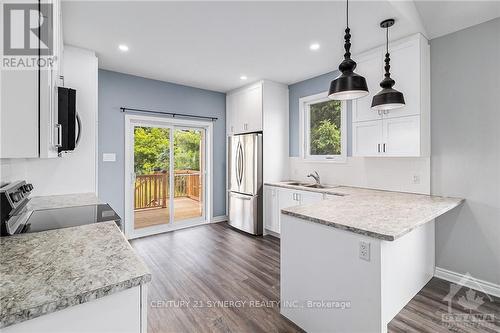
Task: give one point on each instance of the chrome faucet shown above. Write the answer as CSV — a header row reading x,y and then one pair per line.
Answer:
x,y
315,175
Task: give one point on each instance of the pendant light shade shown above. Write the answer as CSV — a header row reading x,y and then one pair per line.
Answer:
x,y
388,98
348,85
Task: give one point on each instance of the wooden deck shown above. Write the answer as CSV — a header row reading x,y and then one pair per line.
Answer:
x,y
184,208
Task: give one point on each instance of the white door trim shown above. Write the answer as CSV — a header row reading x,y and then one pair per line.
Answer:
x,y
132,120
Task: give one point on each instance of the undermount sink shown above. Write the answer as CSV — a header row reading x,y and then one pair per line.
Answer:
x,y
298,184
309,185
317,186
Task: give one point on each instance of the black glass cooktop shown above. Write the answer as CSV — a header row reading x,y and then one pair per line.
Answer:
x,y
48,219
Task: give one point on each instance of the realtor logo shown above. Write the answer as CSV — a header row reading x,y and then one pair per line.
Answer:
x,y
27,28
469,313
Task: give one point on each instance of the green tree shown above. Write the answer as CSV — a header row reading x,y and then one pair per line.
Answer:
x,y
187,149
325,119
152,150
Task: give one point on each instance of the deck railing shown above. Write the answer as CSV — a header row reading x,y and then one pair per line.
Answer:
x,y
152,190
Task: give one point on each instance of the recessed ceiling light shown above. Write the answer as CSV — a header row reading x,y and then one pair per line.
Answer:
x,y
123,47
314,46
243,77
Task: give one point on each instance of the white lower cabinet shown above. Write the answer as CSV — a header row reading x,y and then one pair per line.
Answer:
x,y
124,311
271,209
278,198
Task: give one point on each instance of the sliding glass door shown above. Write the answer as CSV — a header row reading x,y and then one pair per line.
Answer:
x,y
168,187
189,162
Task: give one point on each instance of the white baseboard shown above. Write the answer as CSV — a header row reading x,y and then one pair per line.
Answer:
x,y
468,281
220,218
272,233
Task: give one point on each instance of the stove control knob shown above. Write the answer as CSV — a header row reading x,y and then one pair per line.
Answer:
x,y
16,196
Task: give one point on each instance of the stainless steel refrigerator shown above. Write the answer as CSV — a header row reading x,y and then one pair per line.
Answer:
x,y
245,182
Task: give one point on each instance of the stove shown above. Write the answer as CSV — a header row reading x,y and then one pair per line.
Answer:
x,y
16,218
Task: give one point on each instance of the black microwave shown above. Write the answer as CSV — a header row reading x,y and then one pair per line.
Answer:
x,y
69,124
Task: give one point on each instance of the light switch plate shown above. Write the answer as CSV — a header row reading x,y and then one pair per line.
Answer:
x,y
109,157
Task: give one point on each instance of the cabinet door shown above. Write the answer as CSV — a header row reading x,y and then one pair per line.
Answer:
x,y
402,136
271,209
367,138
19,114
405,70
230,110
306,197
287,198
245,107
252,108
371,68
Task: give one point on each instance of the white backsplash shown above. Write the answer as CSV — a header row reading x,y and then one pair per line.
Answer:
x,y
394,174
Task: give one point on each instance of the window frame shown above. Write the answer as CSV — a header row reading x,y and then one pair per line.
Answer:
x,y
304,128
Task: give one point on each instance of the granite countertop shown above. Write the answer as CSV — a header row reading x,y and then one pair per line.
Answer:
x,y
62,201
51,270
384,215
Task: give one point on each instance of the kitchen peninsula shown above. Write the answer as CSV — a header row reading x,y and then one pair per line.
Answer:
x,y
351,263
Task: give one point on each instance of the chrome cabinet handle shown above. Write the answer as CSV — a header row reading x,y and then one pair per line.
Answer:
x,y
379,112
384,145
378,147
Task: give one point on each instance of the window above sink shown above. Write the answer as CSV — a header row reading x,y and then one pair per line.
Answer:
x,y
323,133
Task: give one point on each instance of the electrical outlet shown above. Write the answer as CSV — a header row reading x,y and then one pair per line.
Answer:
x,y
416,179
364,250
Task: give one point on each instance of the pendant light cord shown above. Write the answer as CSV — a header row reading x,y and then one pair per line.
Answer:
x,y
387,55
347,13
347,37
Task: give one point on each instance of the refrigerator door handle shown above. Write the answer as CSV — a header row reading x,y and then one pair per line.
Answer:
x,y
242,164
237,162
241,196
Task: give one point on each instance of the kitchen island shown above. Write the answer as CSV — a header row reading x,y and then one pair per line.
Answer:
x,y
352,262
79,279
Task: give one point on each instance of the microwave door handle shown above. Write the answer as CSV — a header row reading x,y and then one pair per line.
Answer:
x,y
59,135
79,125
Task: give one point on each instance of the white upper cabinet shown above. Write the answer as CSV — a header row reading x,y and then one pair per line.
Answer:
x,y
244,110
367,138
386,133
401,136
405,70
370,67
29,102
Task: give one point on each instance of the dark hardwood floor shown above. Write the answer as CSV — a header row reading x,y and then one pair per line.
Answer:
x,y
213,278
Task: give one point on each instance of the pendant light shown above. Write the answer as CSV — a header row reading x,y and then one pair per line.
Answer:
x,y
388,98
348,85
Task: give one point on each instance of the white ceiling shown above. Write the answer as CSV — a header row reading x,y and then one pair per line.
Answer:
x,y
211,44
444,17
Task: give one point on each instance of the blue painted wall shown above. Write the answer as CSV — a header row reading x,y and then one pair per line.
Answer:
x,y
116,90
304,88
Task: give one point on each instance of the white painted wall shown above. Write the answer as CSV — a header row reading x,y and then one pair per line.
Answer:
x,y
383,173
75,172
